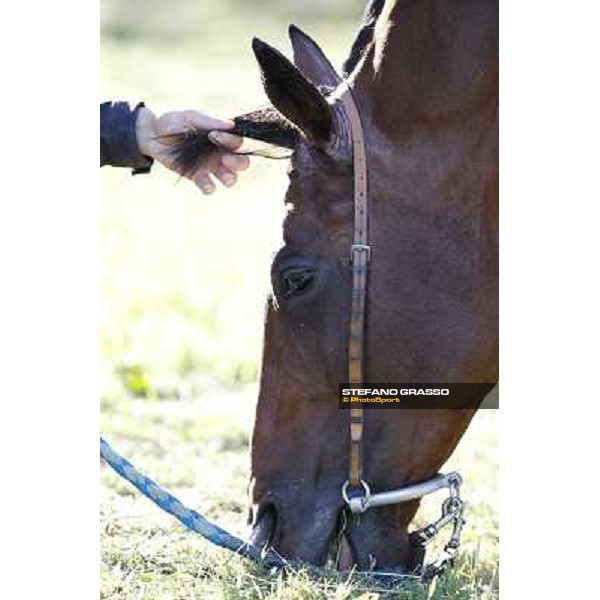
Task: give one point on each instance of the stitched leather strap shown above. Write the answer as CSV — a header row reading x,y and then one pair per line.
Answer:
x,y
360,255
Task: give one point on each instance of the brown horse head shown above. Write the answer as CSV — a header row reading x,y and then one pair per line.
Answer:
x,y
426,85
424,76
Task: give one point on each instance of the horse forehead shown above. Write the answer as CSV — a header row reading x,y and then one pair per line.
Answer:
x,y
321,219
302,227
318,202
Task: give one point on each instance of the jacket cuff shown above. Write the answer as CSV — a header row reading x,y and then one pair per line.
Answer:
x,y
119,146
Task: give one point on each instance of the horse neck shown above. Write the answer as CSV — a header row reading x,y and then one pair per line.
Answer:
x,y
429,62
427,91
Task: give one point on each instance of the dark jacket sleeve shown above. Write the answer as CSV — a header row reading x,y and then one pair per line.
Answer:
x,y
118,142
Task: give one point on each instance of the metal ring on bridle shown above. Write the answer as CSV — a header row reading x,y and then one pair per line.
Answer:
x,y
357,504
451,504
455,480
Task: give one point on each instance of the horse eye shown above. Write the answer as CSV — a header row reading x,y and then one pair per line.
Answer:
x,y
294,281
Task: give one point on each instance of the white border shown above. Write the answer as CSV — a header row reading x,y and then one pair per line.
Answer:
x,y
49,313
549,296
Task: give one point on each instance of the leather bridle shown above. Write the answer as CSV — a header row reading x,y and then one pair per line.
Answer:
x,y
360,255
355,491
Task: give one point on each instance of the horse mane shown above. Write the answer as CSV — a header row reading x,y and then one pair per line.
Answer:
x,y
188,149
364,36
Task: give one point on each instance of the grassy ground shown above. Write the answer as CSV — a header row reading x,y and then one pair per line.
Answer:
x,y
198,449
183,287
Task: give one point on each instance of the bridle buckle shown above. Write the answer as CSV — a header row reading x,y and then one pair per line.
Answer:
x,y
360,248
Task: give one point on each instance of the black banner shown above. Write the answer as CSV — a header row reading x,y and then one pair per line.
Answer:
x,y
418,395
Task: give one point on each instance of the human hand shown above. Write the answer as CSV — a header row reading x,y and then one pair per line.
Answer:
x,y
222,164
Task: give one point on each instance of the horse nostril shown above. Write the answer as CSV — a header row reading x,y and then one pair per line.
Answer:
x,y
264,528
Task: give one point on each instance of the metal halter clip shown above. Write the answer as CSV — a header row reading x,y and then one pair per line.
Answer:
x,y
357,504
360,248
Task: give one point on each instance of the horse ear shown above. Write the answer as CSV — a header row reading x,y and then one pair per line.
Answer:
x,y
296,98
311,60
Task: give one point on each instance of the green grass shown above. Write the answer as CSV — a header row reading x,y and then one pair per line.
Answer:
x,y
183,288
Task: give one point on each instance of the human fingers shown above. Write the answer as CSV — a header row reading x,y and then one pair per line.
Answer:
x,y
204,182
225,176
183,120
235,162
194,118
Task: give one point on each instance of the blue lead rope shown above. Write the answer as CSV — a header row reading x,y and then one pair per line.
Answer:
x,y
190,518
